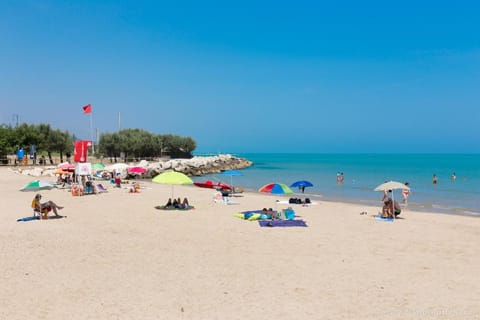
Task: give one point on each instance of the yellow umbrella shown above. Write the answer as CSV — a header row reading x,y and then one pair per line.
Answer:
x,y
172,178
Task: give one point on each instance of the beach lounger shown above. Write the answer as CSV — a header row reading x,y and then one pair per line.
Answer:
x,y
101,188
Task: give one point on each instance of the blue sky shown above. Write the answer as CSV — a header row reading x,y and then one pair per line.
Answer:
x,y
250,76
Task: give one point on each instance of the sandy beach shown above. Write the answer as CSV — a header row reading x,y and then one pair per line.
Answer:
x,y
114,256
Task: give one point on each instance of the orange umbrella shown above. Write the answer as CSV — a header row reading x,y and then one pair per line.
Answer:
x,y
60,171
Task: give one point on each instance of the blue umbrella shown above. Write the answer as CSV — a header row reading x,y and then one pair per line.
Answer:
x,y
231,173
302,184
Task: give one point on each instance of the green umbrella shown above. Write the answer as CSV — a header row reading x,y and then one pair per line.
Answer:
x,y
98,166
172,178
36,185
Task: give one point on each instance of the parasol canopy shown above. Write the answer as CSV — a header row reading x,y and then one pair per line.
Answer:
x,y
36,185
136,170
276,188
172,178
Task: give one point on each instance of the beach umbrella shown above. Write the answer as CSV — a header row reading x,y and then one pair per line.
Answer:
x,y
66,166
302,184
172,178
391,185
116,166
231,173
136,170
36,185
60,171
98,166
276,188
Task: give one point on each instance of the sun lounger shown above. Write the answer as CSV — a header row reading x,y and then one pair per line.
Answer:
x,y
101,188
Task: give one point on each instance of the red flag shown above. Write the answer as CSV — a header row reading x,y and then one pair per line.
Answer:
x,y
87,109
81,149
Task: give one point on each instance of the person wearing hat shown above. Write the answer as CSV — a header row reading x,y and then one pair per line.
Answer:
x,y
45,208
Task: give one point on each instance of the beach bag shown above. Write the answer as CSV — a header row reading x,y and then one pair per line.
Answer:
x,y
289,214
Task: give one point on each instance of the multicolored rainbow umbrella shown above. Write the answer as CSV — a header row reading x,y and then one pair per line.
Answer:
x,y
276,188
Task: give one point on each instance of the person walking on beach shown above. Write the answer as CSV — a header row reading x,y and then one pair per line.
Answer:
x,y
405,194
434,179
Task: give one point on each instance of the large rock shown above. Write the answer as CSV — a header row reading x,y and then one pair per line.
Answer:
x,y
198,166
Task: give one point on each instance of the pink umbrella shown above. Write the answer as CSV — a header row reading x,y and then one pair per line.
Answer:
x,y
67,166
136,170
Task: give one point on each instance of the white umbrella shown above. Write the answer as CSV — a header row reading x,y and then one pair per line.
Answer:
x,y
116,166
391,185
37,185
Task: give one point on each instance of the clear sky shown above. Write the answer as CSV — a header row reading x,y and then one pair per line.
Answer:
x,y
249,76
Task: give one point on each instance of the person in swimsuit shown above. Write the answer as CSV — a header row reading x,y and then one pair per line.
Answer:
x,y
405,194
46,207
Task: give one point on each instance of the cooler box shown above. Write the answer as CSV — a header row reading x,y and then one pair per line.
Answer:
x,y
289,214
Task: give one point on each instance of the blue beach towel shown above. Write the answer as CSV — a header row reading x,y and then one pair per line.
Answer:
x,y
379,218
282,223
28,219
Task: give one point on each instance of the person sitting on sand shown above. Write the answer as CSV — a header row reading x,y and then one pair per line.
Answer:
x,y
388,209
176,203
135,188
45,208
185,204
169,203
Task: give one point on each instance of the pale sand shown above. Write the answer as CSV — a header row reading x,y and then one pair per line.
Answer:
x,y
116,257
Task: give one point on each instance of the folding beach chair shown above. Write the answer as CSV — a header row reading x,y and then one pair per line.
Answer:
x,y
101,188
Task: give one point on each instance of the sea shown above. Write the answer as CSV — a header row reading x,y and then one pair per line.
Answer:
x,y
363,172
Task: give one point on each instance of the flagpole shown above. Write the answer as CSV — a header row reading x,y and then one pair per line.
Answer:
x,y
91,132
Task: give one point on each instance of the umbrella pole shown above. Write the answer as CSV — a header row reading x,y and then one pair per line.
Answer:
x,y
393,204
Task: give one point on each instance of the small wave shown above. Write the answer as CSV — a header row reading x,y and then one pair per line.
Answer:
x,y
473,213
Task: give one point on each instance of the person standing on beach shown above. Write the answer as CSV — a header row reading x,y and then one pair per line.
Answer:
x,y
405,194
434,179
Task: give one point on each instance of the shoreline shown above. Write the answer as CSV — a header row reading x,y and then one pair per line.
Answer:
x,y
117,257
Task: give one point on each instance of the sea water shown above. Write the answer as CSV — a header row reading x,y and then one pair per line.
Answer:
x,y
363,172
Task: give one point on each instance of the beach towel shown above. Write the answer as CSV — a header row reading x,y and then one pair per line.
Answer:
x,y
282,223
24,219
379,218
302,204
173,208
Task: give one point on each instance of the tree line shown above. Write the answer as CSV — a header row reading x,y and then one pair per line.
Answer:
x,y
125,144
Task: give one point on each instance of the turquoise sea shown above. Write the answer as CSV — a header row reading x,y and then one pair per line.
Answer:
x,y
363,172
